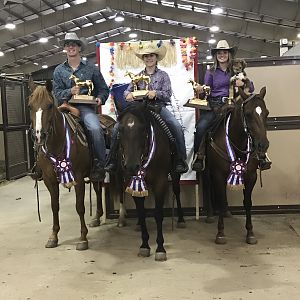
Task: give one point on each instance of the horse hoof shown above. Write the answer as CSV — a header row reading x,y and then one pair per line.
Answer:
x,y
94,223
209,220
82,245
160,256
144,252
251,240
220,240
51,244
181,225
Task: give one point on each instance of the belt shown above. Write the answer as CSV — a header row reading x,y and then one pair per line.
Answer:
x,y
219,99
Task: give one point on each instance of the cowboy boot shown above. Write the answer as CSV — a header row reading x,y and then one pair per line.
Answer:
x,y
264,162
198,163
97,172
112,159
181,166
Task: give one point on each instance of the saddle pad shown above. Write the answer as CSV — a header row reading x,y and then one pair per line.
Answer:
x,y
74,123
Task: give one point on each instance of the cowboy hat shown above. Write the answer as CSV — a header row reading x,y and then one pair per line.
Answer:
x,y
151,48
72,37
223,45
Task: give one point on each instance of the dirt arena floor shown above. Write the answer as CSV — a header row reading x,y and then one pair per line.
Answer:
x,y
196,268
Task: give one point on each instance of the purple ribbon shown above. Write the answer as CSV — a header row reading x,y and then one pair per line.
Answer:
x,y
238,168
137,185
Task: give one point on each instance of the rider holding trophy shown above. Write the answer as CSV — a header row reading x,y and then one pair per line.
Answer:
x,y
65,89
159,92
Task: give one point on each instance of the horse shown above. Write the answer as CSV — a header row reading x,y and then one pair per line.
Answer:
x,y
61,157
145,152
232,155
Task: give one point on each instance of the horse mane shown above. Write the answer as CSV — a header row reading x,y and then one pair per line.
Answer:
x,y
137,109
39,95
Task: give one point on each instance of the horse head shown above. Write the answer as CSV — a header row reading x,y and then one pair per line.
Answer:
x,y
41,105
133,135
255,114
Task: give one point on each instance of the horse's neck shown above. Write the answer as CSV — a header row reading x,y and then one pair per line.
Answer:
x,y
236,127
57,136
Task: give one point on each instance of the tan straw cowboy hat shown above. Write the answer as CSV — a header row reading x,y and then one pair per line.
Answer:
x,y
151,48
223,45
72,37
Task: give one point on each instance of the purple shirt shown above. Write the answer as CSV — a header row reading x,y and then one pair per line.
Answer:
x,y
160,82
219,82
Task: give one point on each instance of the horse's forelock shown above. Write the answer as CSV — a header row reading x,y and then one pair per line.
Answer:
x,y
40,96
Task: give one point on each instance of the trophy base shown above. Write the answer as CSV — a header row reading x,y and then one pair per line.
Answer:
x,y
139,94
83,99
198,103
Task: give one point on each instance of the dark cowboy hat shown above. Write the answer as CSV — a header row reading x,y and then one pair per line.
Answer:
x,y
223,45
72,37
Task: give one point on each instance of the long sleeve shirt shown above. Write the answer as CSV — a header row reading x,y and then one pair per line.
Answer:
x,y
86,71
219,82
160,82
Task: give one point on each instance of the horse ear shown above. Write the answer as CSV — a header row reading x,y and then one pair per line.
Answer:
x,y
243,94
31,84
49,85
262,92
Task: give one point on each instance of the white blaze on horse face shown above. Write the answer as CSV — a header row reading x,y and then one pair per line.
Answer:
x,y
258,110
130,124
38,124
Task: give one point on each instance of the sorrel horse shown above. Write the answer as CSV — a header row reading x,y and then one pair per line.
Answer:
x,y
146,156
232,155
61,157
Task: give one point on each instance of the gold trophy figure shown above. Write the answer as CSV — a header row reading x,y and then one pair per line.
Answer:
x,y
83,99
196,102
135,79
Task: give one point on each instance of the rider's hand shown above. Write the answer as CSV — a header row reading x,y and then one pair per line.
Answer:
x,y
239,82
151,95
99,102
130,97
75,90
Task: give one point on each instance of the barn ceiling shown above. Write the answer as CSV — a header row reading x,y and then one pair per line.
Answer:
x,y
254,26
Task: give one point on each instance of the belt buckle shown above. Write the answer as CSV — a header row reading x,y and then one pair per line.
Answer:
x,y
224,99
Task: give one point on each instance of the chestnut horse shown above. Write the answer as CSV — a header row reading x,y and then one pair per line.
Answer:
x,y
145,152
61,157
232,155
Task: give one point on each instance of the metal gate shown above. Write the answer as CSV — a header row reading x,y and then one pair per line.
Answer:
x,y
14,120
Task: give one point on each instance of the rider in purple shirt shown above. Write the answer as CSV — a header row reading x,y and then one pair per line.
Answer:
x,y
218,78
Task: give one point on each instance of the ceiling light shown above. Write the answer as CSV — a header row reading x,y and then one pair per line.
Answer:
x,y
212,41
214,28
119,17
127,29
217,10
9,24
263,56
298,35
132,35
44,66
208,57
84,58
35,63
1,53
43,40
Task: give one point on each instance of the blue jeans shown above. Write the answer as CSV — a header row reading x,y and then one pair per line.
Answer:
x,y
174,127
206,119
91,122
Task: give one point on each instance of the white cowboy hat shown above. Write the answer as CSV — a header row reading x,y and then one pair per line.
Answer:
x,y
223,45
72,37
151,48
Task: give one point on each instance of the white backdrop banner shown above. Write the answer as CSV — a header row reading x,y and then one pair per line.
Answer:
x,y
181,92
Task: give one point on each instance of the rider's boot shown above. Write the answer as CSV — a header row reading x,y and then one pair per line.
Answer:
x,y
97,172
264,162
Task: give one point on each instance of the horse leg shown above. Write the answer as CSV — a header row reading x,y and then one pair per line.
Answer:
x,y
144,248
80,189
249,185
122,211
53,188
207,196
219,184
176,191
99,211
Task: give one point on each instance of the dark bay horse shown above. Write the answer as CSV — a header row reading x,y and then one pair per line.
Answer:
x,y
146,157
61,157
232,155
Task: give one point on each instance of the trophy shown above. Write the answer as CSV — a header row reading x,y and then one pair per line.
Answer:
x,y
135,79
83,99
196,102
